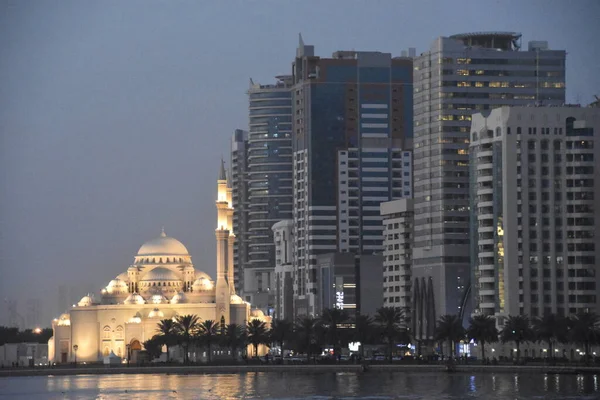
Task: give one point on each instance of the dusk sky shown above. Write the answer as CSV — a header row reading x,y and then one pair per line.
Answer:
x,y
114,114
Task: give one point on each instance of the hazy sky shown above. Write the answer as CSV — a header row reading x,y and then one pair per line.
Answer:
x,y
114,114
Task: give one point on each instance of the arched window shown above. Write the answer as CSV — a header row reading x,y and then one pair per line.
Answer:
x,y
119,333
498,131
153,283
160,260
518,130
106,332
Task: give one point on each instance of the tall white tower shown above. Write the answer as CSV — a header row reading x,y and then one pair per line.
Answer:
x,y
225,239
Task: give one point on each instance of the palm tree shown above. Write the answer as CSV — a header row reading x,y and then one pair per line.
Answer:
x,y
482,328
167,333
330,320
153,346
363,331
517,329
186,327
208,332
449,327
390,321
281,330
551,328
257,334
233,338
305,329
585,329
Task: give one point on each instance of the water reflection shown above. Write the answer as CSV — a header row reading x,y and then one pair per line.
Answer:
x,y
275,385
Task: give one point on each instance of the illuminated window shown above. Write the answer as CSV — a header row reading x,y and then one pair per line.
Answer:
x,y
106,332
463,84
505,84
463,152
464,72
463,61
478,84
494,84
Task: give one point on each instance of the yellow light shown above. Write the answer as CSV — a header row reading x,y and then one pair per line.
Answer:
x,y
37,331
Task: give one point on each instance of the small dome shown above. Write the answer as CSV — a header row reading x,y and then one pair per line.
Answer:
x,y
202,284
256,313
116,286
134,298
64,320
136,319
123,276
235,299
158,299
163,246
179,298
86,301
202,275
161,274
156,313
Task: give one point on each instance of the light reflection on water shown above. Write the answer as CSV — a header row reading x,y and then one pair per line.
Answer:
x,y
273,385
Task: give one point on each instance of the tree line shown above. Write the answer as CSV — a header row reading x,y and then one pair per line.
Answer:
x,y
580,329
336,328
14,335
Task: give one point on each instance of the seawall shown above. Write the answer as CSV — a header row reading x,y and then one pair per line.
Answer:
x,y
295,369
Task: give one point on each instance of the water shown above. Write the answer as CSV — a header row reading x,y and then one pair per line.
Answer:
x,y
273,385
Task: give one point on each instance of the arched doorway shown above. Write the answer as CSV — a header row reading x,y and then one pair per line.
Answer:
x,y
134,348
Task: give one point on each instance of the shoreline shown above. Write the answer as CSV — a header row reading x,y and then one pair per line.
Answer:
x,y
305,369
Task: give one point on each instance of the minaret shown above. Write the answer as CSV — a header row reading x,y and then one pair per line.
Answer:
x,y
231,238
223,292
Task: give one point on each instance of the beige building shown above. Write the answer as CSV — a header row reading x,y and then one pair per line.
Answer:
x,y
161,283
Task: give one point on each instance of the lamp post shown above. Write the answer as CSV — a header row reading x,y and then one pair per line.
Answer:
x,y
128,346
75,347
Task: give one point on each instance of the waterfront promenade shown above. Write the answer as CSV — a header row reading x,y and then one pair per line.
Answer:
x,y
293,369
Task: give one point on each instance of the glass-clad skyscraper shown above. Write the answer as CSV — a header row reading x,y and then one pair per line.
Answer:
x,y
269,180
352,120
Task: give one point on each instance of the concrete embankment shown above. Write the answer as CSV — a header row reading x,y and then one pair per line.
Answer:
x,y
296,369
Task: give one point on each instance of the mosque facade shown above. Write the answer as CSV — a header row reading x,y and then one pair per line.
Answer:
x,y
161,283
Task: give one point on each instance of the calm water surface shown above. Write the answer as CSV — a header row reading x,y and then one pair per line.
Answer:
x,y
373,385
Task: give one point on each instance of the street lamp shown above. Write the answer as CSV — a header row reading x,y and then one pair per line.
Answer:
x,y
75,347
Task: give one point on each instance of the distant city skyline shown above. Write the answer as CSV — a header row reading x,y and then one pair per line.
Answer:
x,y
113,115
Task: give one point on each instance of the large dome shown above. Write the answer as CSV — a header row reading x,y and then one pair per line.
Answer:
x,y
163,246
160,274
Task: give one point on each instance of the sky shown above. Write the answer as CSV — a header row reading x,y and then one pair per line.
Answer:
x,y
114,114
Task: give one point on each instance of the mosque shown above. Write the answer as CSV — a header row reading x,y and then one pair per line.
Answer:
x,y
161,283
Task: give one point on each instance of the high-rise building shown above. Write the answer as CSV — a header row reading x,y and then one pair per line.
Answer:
x,y
352,121
33,315
397,253
283,232
458,76
239,185
534,209
269,184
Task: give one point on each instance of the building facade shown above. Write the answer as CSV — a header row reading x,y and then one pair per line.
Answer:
x,y
352,121
283,232
269,184
534,208
459,76
239,198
